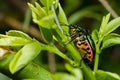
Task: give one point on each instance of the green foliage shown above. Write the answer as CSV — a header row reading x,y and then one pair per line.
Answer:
x,y
18,34
13,41
104,39
44,17
61,15
24,56
104,75
111,40
95,35
37,73
47,3
75,74
48,17
106,27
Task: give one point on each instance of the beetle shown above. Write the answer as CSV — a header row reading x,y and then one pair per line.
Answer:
x,y
83,42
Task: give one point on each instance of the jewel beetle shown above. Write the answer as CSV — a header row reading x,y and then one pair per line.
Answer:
x,y
83,42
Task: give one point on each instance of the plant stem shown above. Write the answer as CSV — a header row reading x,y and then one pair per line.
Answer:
x,y
27,20
108,8
52,63
96,62
87,72
56,18
98,51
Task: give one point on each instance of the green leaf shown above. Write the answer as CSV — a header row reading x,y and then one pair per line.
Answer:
x,y
47,3
41,11
95,36
13,41
111,40
46,21
34,72
4,36
31,71
62,16
24,56
106,75
104,24
38,11
34,10
18,34
111,26
55,3
46,35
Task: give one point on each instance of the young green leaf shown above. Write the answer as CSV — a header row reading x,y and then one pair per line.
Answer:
x,y
18,34
62,16
110,40
13,41
38,10
42,12
34,10
104,24
106,75
95,36
24,56
46,21
47,3
4,36
111,26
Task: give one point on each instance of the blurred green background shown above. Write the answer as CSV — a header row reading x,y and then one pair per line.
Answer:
x,y
88,13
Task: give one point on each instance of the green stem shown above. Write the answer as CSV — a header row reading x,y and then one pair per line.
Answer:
x,y
98,51
96,62
88,74
27,19
56,18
